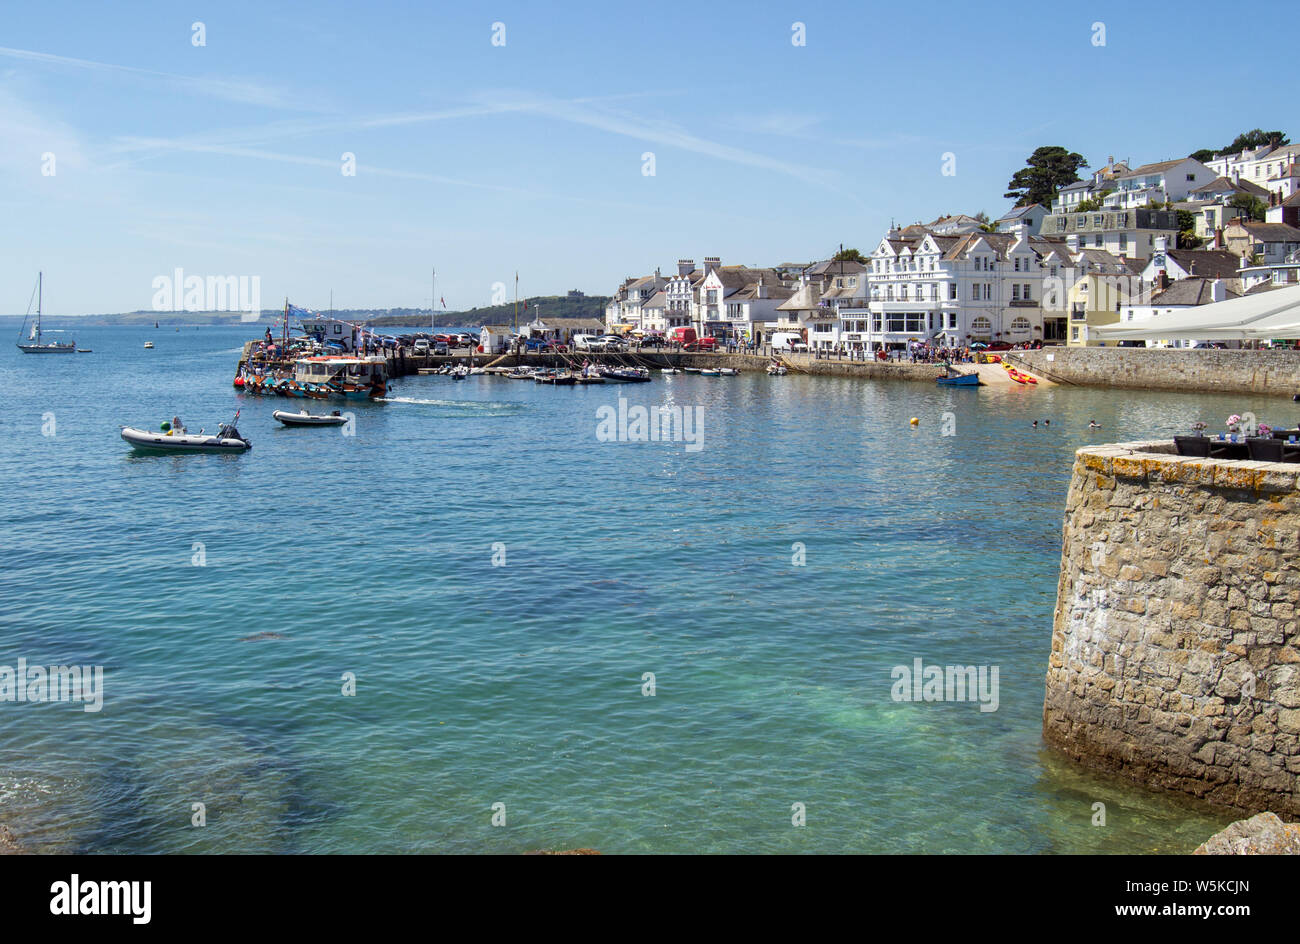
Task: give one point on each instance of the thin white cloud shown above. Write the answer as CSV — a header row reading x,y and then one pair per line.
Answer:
x,y
667,134
241,92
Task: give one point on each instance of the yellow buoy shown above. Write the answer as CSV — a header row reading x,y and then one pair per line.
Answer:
x,y
915,421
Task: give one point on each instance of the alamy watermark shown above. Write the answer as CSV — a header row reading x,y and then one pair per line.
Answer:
x,y
659,424
36,683
179,292
920,682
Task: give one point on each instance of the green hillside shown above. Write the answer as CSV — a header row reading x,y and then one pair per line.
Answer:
x,y
552,306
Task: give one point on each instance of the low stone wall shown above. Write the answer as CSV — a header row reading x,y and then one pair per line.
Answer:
x,y
800,363
1267,372
1175,656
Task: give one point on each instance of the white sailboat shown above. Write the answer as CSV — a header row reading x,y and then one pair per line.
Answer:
x,y
34,345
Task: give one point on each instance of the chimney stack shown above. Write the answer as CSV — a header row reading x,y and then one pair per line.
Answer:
x,y
711,263
1217,290
685,266
1072,242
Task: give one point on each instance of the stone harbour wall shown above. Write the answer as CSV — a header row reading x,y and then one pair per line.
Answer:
x,y
1201,370
1175,655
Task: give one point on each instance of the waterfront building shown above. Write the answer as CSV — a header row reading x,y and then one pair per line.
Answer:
x,y
1161,182
623,313
654,314
562,330
955,289
735,300
797,313
495,339
680,299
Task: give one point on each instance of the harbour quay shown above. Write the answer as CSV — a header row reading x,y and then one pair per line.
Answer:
x,y
1175,657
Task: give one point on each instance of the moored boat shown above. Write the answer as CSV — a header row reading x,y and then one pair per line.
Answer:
x,y
326,377
303,418
169,438
34,343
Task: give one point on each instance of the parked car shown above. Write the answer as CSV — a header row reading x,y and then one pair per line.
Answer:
x,y
440,348
613,342
421,346
587,342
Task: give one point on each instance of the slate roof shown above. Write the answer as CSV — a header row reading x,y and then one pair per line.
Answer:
x,y
1146,169
1190,292
1208,263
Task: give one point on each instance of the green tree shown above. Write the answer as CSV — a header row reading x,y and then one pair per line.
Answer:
x,y
1047,170
849,255
1088,206
1187,238
1247,139
1255,138
1252,204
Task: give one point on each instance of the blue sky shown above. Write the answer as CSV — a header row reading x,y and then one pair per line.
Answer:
x,y
485,160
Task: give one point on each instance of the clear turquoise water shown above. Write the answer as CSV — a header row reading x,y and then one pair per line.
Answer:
x,y
521,684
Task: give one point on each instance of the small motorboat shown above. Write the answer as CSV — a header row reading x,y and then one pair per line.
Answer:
x,y
710,372
148,345
84,350
728,372
303,418
673,370
172,439
959,380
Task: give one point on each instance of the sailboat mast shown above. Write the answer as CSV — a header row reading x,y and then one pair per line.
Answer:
x,y
40,291
433,302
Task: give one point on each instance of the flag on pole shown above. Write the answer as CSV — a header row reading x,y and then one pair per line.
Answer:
x,y
443,300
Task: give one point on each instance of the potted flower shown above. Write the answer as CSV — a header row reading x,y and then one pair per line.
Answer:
x,y
1234,426
1264,431
1198,428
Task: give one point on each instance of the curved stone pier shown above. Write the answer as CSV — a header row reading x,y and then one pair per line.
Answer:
x,y
1175,655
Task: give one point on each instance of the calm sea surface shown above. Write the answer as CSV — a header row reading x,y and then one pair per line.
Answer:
x,y
521,684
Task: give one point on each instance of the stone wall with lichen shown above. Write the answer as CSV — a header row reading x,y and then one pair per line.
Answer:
x,y
1199,369
1175,654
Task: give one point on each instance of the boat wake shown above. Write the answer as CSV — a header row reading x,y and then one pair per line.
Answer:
x,y
460,404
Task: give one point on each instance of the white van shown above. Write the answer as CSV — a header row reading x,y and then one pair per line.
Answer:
x,y
788,341
587,342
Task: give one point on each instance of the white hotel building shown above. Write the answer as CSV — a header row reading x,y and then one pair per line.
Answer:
x,y
955,289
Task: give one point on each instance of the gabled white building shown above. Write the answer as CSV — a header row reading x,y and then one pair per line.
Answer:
x,y
955,290
1161,182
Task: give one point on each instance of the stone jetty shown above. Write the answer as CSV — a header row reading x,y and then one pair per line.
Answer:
x,y
1175,656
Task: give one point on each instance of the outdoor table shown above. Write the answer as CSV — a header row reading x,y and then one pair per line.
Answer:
x,y
1225,449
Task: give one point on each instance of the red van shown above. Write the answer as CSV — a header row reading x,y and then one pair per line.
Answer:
x,y
686,337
